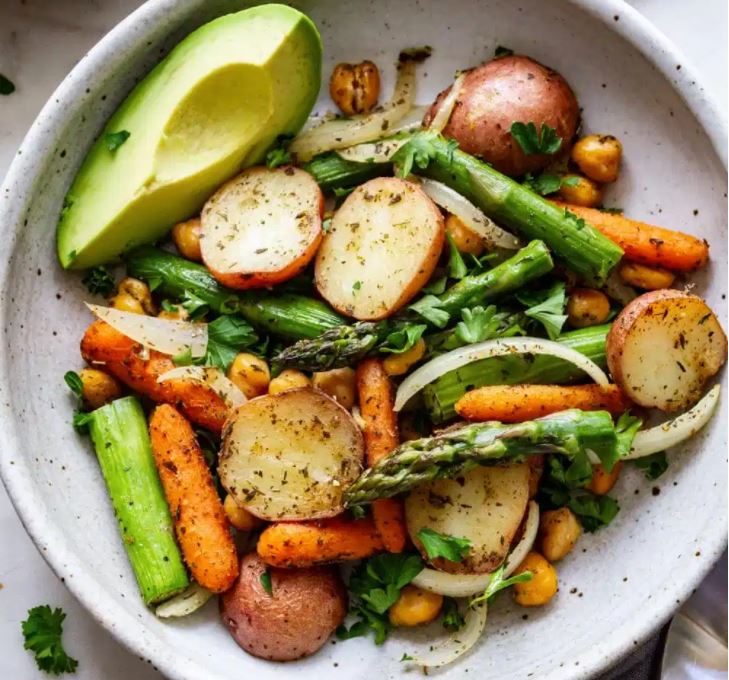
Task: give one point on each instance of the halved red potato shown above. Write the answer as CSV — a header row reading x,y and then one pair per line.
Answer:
x,y
262,227
290,456
663,348
382,247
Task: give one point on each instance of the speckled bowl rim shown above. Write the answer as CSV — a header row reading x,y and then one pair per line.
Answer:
x,y
23,175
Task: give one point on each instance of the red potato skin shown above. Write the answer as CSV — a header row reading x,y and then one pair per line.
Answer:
x,y
266,279
504,91
294,621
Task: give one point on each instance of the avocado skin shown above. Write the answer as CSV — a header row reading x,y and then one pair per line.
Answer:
x,y
213,106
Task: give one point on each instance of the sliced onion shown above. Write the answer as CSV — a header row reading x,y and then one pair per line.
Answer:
x,y
456,358
618,290
213,377
341,133
373,152
469,214
675,431
525,544
163,335
411,121
187,602
443,114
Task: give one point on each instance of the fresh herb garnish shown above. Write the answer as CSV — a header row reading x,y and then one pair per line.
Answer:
x,y
99,281
547,307
548,183
452,618
6,85
356,285
114,140
534,142
497,582
477,324
418,152
456,266
653,466
227,336
502,51
75,384
429,307
406,657
436,545
279,154
266,582
625,430
42,631
403,339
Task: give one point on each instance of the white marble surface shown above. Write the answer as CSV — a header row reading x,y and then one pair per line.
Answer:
x,y
40,41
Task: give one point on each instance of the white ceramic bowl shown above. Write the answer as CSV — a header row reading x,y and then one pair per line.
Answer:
x,y
621,583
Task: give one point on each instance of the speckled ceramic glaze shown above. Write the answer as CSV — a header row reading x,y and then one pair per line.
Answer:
x,y
621,583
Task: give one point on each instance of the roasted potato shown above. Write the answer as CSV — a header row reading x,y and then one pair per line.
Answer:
x,y
294,620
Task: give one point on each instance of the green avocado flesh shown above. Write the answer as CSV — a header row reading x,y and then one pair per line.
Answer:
x,y
212,107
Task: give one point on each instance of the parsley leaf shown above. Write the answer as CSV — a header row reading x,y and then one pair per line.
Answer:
x,y
497,582
196,307
429,308
80,419
502,51
625,430
114,140
456,266
452,619
227,336
266,582
418,152
279,153
99,281
75,384
441,545
42,631
533,142
653,466
547,307
548,183
403,338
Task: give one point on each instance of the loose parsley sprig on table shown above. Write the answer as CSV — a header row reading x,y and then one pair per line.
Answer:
x,y
536,142
42,631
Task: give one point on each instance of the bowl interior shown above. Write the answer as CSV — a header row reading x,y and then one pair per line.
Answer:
x,y
618,585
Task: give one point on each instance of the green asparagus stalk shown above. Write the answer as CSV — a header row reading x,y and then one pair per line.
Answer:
x,y
442,394
121,440
580,246
287,315
331,171
455,452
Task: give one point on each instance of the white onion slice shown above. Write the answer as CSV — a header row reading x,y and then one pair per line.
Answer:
x,y
163,335
231,394
675,431
465,585
187,602
456,358
469,214
443,114
618,290
341,133
373,152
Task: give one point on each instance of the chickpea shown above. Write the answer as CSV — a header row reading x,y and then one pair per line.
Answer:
x,y
647,278
598,157
239,517
579,190
559,531
179,314
355,88
466,240
587,307
251,374
288,379
339,384
139,291
186,236
99,388
602,480
399,364
415,607
543,585
536,468
127,303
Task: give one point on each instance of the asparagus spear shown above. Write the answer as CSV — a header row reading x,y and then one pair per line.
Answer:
x,y
442,394
582,248
287,315
121,440
344,345
456,451
331,171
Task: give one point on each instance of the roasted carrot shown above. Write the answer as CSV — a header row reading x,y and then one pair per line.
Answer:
x,y
645,243
201,524
125,360
381,437
305,544
517,403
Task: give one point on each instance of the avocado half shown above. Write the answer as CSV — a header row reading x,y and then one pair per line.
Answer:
x,y
215,104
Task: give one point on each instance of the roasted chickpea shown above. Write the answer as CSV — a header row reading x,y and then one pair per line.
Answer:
x,y
536,468
355,88
466,240
558,533
99,388
602,480
415,607
647,278
580,191
139,291
178,314
127,303
587,307
339,384
399,364
239,517
543,585
598,157
251,374
288,379
186,236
